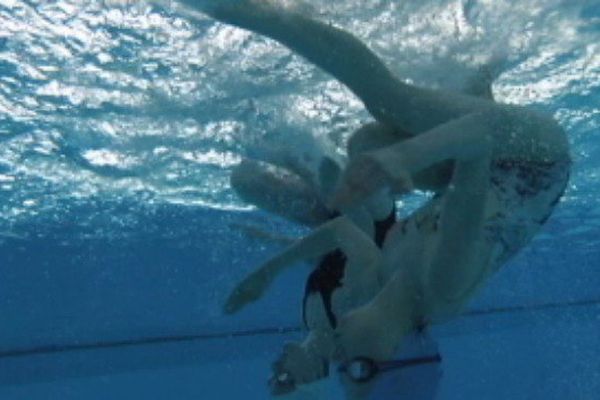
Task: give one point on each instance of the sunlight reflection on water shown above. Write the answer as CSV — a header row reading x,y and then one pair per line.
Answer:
x,y
131,99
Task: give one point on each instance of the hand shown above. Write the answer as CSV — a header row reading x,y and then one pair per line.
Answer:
x,y
248,291
297,365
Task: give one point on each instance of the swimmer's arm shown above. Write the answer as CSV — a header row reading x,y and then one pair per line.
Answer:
x,y
339,233
464,138
501,133
332,49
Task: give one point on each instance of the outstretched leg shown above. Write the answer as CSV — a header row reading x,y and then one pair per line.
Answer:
x,y
349,60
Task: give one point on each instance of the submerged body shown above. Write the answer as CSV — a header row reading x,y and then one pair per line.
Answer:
x,y
497,170
521,197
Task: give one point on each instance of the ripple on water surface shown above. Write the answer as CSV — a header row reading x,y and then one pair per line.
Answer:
x,y
103,102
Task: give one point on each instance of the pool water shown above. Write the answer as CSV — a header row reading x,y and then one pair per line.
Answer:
x,y
120,123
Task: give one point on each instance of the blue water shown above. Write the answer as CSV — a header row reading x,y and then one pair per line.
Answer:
x,y
120,123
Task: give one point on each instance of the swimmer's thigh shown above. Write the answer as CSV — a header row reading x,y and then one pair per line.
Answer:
x,y
460,260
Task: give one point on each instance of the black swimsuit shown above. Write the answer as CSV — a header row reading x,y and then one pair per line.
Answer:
x,y
328,275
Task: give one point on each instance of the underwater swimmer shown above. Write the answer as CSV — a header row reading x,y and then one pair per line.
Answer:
x,y
510,167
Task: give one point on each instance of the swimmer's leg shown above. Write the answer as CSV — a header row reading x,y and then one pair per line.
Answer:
x,y
460,263
457,268
341,233
464,138
345,57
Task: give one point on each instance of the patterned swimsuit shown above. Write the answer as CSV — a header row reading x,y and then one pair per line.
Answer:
x,y
525,193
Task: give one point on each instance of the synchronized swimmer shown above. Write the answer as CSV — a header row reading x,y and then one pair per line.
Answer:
x,y
497,171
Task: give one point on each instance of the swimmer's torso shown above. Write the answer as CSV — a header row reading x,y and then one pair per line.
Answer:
x,y
521,197
320,306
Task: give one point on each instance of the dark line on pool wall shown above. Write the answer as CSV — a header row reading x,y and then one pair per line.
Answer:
x,y
537,307
52,349
49,349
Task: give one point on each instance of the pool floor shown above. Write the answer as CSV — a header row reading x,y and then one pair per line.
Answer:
x,y
551,354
